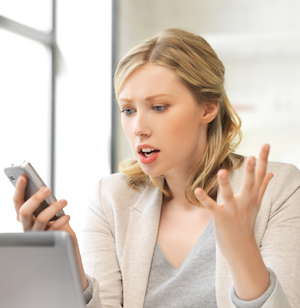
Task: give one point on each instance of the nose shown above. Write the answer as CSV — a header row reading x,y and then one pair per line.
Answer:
x,y
141,125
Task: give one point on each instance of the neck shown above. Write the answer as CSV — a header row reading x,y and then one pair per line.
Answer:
x,y
176,187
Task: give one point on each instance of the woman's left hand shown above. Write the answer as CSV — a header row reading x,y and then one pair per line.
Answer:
x,y
234,220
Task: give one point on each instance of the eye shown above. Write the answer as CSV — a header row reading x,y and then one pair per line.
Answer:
x,y
127,111
159,108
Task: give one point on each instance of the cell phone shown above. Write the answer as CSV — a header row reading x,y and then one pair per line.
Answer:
x,y
34,183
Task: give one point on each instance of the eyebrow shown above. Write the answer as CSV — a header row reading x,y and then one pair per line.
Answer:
x,y
148,98
151,97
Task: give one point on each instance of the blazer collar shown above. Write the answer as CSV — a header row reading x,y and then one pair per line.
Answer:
x,y
139,245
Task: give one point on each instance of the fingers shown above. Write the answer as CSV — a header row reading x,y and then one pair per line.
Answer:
x,y
204,199
18,197
44,217
246,193
59,223
225,189
255,180
265,183
261,168
27,209
24,210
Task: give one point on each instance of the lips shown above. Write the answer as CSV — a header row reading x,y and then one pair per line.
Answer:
x,y
145,146
148,153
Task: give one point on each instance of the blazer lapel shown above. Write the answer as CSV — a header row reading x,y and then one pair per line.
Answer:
x,y
139,245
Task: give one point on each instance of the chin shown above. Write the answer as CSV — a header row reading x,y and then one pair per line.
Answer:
x,y
151,172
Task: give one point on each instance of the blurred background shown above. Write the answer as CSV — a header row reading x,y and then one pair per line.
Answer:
x,y
57,58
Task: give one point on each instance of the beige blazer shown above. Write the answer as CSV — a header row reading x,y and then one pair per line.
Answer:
x,y
121,231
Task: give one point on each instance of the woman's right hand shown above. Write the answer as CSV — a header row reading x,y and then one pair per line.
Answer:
x,y
24,209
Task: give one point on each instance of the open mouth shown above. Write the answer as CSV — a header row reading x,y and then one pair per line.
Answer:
x,y
148,152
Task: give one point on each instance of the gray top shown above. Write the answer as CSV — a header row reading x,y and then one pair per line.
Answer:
x,y
169,286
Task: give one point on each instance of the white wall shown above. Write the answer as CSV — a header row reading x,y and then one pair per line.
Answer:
x,y
259,44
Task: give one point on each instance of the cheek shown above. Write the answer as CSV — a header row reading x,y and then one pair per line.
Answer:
x,y
127,130
186,132
183,124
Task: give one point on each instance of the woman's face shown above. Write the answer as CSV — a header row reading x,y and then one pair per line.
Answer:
x,y
164,125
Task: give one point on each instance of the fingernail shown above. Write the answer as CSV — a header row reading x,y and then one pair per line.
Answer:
x,y
223,176
198,192
20,181
63,202
45,190
252,162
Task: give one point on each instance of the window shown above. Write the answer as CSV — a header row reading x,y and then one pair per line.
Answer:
x,y
77,134
25,110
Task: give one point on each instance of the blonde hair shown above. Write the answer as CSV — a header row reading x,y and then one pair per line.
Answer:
x,y
201,71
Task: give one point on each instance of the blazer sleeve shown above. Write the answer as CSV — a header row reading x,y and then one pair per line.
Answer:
x,y
280,247
98,250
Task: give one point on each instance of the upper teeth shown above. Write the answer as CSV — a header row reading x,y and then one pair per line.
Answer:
x,y
147,150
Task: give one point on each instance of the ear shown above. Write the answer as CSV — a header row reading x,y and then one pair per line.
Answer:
x,y
210,112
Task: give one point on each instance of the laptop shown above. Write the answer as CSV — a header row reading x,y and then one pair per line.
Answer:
x,y
39,270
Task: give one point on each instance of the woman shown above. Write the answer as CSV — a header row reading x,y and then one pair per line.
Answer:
x,y
188,223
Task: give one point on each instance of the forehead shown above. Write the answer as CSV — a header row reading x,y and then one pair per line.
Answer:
x,y
150,79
